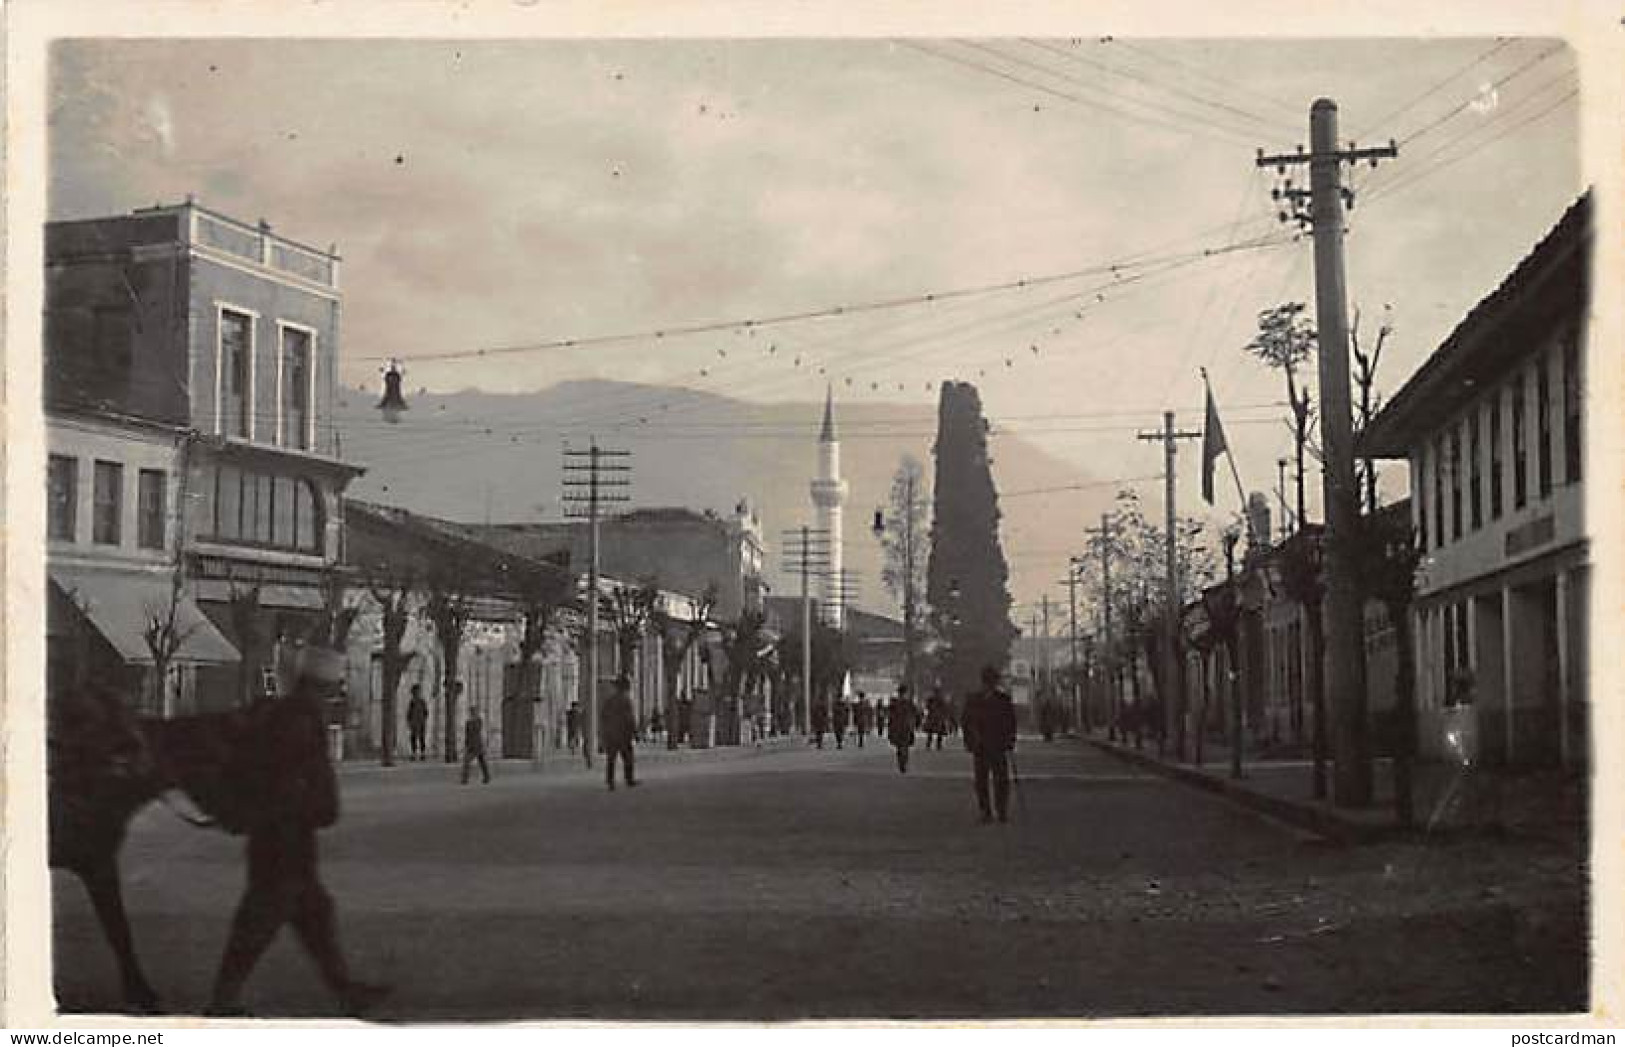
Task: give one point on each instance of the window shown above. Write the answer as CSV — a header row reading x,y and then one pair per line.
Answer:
x,y
1497,460
150,501
279,512
228,504
1573,423
296,388
62,488
1475,477
236,373
1438,494
1520,459
109,504
1455,483
1543,426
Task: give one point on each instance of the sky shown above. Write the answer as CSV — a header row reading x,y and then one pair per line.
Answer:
x,y
492,199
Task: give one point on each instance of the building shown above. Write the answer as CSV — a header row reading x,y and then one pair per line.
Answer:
x,y
683,550
113,548
1493,427
223,335
828,496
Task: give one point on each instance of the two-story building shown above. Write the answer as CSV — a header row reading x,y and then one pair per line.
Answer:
x,y
223,335
1493,426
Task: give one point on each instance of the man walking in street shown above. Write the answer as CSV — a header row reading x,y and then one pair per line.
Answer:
x,y
990,735
843,716
936,719
572,725
820,722
862,717
293,793
417,723
474,742
617,721
900,726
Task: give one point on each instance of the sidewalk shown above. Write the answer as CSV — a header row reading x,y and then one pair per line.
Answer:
x,y
1549,805
563,761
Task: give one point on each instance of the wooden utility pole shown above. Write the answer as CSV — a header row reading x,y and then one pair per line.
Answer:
x,y
1071,583
1173,677
1106,530
593,484
808,554
1345,641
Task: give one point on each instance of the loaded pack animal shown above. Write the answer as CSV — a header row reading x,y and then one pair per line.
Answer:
x,y
261,772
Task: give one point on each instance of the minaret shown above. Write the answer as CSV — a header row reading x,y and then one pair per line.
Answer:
x,y
828,494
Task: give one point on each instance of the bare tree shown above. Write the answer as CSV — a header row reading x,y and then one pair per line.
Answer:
x,y
629,609
394,593
1365,378
904,530
678,635
1285,342
448,606
165,634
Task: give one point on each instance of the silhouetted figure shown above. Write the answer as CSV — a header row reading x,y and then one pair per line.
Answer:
x,y
843,717
900,720
990,735
417,723
820,723
617,720
474,744
936,720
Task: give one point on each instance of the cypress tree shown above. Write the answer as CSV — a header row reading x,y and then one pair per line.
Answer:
x,y
967,579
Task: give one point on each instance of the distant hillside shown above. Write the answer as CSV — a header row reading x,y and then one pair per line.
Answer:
x,y
474,456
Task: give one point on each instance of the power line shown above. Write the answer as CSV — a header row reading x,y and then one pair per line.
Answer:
x,y
970,63
1483,56
1463,106
1197,71
1151,82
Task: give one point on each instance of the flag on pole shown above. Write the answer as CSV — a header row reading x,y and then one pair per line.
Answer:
x,y
1213,443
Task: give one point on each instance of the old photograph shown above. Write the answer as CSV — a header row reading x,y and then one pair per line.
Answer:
x,y
920,527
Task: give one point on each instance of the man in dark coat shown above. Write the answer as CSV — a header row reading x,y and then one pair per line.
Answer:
x,y
289,792
990,735
862,717
617,721
474,743
900,720
417,723
572,725
936,719
820,722
843,716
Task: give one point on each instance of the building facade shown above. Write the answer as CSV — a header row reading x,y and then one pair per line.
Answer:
x,y
227,334
1493,428
683,550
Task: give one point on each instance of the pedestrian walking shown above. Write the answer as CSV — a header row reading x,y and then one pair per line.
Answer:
x,y
936,719
990,735
294,793
863,716
900,721
820,722
843,717
617,721
417,723
572,725
474,743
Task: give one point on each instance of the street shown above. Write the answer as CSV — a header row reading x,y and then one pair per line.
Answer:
x,y
790,882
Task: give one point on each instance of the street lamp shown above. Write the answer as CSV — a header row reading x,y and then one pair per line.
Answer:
x,y
393,403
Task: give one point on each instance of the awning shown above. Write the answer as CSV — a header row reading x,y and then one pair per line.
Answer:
x,y
120,604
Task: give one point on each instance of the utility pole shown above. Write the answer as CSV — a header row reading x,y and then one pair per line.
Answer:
x,y
1106,531
1071,584
1345,650
1173,678
1280,495
592,482
808,553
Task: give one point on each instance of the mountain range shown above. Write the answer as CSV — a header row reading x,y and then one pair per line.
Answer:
x,y
476,456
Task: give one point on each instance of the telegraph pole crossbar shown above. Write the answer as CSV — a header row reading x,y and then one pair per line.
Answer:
x,y
590,483
1174,704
